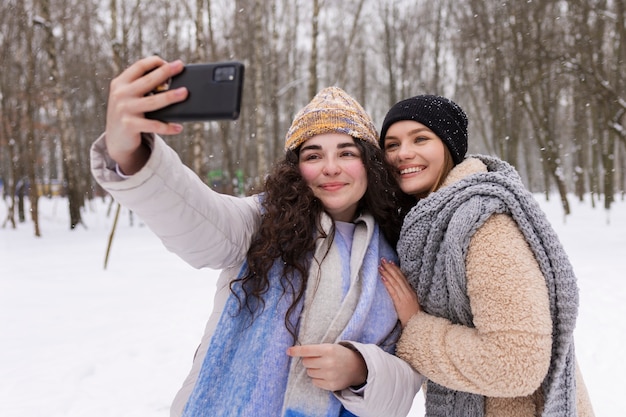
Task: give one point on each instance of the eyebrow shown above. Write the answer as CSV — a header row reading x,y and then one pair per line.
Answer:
x,y
412,132
420,129
339,146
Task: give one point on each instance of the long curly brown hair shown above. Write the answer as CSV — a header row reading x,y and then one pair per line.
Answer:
x,y
290,226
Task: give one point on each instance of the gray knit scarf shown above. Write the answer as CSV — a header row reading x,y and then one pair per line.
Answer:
x,y
432,249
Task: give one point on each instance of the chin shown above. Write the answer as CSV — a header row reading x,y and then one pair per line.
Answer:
x,y
418,192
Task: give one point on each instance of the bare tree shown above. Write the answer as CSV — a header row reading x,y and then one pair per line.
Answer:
x,y
199,55
489,72
596,61
542,82
66,132
348,49
30,150
260,135
314,53
10,166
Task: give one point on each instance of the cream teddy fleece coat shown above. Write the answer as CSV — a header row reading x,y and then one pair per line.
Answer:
x,y
507,355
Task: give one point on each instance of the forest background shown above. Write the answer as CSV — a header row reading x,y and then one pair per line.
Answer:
x,y
543,83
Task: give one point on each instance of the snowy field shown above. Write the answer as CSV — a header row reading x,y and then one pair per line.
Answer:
x,y
81,341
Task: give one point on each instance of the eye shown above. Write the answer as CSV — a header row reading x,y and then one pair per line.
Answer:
x,y
390,146
309,156
349,154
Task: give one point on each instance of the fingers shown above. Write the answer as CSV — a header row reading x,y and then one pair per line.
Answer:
x,y
129,90
128,104
393,278
311,355
127,113
312,359
147,73
140,67
331,366
306,351
401,292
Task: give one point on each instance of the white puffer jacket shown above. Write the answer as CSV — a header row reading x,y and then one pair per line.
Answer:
x,y
208,229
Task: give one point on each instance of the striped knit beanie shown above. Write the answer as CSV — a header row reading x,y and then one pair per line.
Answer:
x,y
439,114
332,110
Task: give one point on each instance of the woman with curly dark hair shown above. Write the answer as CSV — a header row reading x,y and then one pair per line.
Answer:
x,y
302,324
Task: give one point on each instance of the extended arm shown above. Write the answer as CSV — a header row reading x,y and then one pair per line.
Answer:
x,y
205,228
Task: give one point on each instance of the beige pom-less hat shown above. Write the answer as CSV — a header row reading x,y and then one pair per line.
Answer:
x,y
331,110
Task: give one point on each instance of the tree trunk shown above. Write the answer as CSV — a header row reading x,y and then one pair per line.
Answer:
x,y
30,114
343,70
389,49
68,145
197,128
313,61
260,135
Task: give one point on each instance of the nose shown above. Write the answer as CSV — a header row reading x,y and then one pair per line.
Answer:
x,y
405,151
331,167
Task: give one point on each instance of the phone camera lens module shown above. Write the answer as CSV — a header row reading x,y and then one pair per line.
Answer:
x,y
224,74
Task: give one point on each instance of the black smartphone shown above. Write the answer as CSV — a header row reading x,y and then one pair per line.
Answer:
x,y
214,93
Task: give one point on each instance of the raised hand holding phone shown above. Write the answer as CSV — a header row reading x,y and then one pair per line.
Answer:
x,y
128,102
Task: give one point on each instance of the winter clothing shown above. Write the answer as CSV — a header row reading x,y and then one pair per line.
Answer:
x,y
214,230
340,306
331,110
499,300
441,115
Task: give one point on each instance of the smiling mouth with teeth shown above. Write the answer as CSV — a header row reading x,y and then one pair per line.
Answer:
x,y
411,170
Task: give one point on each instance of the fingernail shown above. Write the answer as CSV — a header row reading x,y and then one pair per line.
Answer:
x,y
180,91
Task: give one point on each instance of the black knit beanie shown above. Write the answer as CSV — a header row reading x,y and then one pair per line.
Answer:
x,y
439,114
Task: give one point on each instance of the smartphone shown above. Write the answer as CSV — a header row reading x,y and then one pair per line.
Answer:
x,y
214,93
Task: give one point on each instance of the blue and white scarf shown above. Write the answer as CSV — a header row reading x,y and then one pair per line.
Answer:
x,y
246,371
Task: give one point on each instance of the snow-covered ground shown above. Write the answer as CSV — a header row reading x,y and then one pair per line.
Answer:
x,y
77,340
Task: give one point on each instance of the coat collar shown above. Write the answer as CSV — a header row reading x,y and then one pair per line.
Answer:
x,y
466,168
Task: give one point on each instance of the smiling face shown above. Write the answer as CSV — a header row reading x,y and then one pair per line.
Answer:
x,y
331,166
418,155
